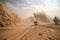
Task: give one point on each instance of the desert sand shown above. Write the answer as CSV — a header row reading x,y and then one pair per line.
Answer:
x,y
12,27
40,32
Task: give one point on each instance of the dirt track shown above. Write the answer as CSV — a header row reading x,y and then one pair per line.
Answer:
x,y
42,32
12,33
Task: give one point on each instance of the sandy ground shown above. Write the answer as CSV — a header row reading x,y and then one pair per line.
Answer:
x,y
40,32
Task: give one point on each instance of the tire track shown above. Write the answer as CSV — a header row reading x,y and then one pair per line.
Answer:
x,y
20,34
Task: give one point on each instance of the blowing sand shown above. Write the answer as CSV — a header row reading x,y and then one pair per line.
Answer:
x,y
42,32
13,28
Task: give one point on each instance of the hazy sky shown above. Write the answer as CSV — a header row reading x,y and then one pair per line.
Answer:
x,y
26,7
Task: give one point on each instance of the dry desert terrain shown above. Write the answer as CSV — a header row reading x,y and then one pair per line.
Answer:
x,y
32,32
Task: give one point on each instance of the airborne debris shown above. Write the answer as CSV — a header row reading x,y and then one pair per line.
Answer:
x,y
7,18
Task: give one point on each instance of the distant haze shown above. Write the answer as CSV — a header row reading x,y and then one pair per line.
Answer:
x,y
26,8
